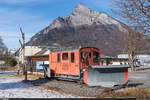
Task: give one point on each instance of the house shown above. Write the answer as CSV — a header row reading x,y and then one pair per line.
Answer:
x,y
38,59
29,51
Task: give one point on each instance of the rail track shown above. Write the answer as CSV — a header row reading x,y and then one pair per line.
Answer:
x,y
71,87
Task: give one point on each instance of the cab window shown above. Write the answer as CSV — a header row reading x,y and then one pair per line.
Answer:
x,y
72,57
58,57
95,56
65,56
89,54
84,56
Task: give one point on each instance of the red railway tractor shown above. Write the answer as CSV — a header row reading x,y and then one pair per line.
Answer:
x,y
83,64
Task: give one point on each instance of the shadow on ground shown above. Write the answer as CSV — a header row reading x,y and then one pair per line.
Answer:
x,y
37,82
134,84
13,85
8,72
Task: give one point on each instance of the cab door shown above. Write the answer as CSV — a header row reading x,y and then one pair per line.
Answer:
x,y
84,58
74,63
65,63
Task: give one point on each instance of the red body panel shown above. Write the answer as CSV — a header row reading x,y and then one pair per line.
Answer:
x,y
85,76
65,66
126,75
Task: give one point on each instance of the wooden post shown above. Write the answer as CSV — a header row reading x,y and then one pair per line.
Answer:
x,y
23,51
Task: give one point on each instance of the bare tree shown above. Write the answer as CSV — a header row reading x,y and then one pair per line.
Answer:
x,y
134,43
23,50
135,13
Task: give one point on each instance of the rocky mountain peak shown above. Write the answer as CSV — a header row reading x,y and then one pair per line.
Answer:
x,y
82,15
81,10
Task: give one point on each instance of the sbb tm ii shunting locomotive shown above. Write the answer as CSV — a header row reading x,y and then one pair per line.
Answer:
x,y
83,64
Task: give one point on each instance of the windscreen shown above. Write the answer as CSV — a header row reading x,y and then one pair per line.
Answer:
x,y
84,56
95,56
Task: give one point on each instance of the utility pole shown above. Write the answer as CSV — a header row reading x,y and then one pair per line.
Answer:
x,y
23,51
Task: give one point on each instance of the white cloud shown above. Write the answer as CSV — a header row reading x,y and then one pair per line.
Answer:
x,y
11,20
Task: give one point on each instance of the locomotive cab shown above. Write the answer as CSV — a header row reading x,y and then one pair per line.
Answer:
x,y
89,56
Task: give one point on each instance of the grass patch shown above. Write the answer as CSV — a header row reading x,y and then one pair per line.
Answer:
x,y
129,93
3,69
32,76
139,71
52,88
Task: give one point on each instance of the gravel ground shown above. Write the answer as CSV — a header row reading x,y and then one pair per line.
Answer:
x,y
74,88
13,87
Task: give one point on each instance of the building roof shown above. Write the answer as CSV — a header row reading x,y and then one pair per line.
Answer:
x,y
60,49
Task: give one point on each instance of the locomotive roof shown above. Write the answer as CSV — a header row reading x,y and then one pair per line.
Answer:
x,y
67,49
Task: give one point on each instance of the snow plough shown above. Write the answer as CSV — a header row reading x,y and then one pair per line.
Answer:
x,y
83,64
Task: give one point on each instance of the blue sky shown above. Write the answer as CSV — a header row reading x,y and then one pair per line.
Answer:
x,y
34,15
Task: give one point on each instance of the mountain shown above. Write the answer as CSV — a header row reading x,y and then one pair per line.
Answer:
x,y
83,27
